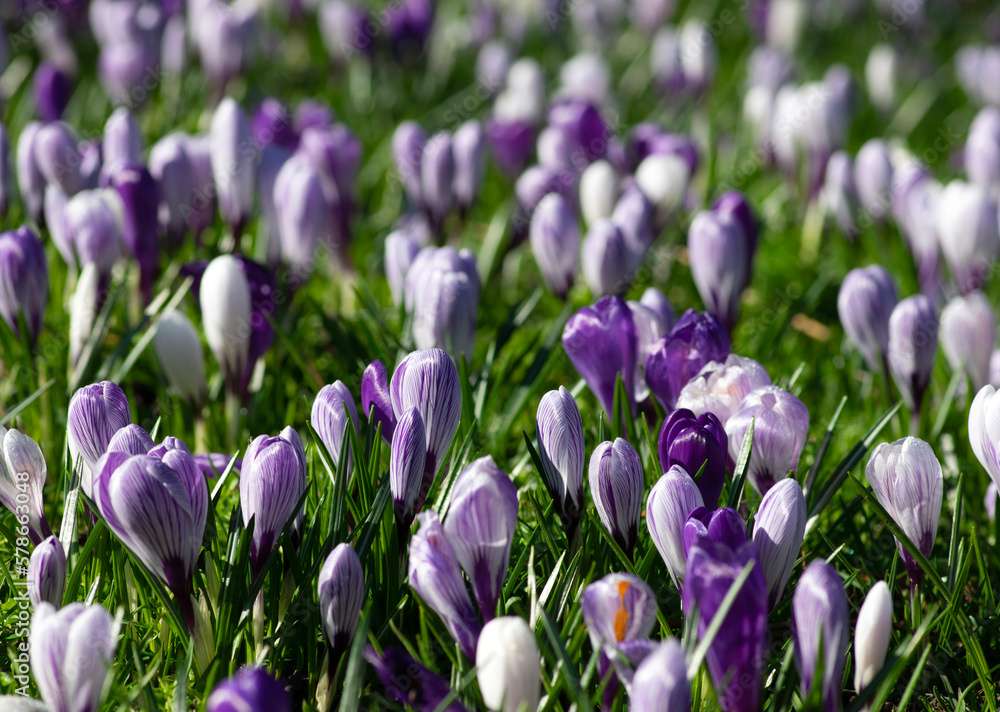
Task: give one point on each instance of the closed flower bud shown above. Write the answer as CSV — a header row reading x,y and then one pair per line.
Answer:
x,y
967,333
873,178
618,608
821,624
22,479
554,149
303,214
913,335
406,467
408,143
93,229
984,430
178,349
657,301
780,428
633,215
699,55
140,200
601,343
720,388
866,299
555,240
598,191
583,128
47,573
375,395
871,635
616,488
200,210
778,531
734,204
442,293
341,595
881,69
252,689
720,256
606,259
436,576
480,524
723,526
58,157
906,478
331,408
224,37
72,650
670,502
30,180
437,176
233,169
96,413
272,481
122,142
508,665
663,179
699,445
469,149
52,91
982,149
24,281
170,165
839,195
400,252
660,682
225,311
968,233
696,340
561,451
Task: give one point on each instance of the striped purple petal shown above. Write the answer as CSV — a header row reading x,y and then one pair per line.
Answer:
x,y
406,466
341,591
330,410
616,488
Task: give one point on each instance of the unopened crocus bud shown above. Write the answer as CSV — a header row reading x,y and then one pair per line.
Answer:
x,y
24,281
700,446
663,178
616,488
982,149
839,195
96,413
633,215
606,259
720,388
660,682
400,251
584,130
30,180
967,333
52,91
699,55
913,336
873,179
906,478
170,165
303,214
376,400
437,177
598,191
91,227
601,343
821,624
252,689
47,573
720,256
272,481
657,302
780,428
554,149
670,502
132,439
225,311
233,166
406,467
408,143
72,649
865,302
618,608
122,142
881,69
984,431
343,28
224,36
696,340
411,684
331,408
560,448
57,153
436,576
442,293
871,635
178,349
480,524
508,665
469,150
968,233
778,531
140,200
341,590
22,478
200,209
555,240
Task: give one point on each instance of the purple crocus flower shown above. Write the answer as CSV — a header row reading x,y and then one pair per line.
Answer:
x,y
982,149
967,334
511,142
330,410
272,481
408,143
233,166
57,154
906,478
601,343
437,176
839,195
968,232
468,148
649,329
121,144
90,229
132,439
778,531
606,259
873,179
140,198
696,340
913,337
733,203
555,241
723,525
341,590
23,473
560,449
633,215
252,689
583,129
821,624
52,91
335,154
720,388
410,25
618,608
24,281
436,576
272,124
656,301
671,501
47,573
616,488
201,204
170,165
660,681
401,249
720,256
480,524
302,214
409,683
699,445
96,413
442,294
406,468
375,394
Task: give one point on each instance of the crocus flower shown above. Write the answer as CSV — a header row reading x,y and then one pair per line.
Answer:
x,y
233,168
122,142
967,332
821,624
57,155
224,295
331,408
442,294
616,488
375,395
720,388
96,413
649,328
865,302
906,478
436,576
30,181
696,340
480,524
913,335
47,573
699,445
656,301
780,428
670,503
633,215
508,665
982,149
24,281
178,348
91,229
272,481
663,179
778,531
132,439
984,430
618,608
560,448
409,683
873,178
252,689
52,91
341,594
202,202
406,468
601,343
660,682
140,200
469,150
871,635
170,165
408,143
303,214
598,191
224,35
400,251
555,241
605,259
437,175
839,195
968,232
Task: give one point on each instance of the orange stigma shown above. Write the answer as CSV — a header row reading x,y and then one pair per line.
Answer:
x,y
621,615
